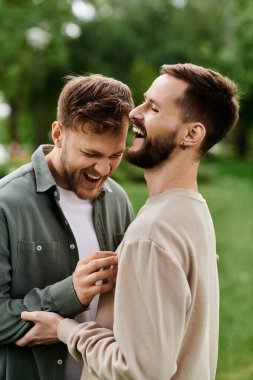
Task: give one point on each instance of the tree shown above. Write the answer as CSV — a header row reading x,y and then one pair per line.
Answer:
x,y
32,48
128,40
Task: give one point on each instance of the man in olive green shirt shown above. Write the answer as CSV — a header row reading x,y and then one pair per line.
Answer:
x,y
42,264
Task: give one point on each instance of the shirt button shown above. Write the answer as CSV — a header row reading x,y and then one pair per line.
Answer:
x,y
55,194
66,222
72,246
59,361
39,248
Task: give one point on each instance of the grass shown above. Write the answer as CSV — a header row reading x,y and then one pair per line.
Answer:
x,y
227,185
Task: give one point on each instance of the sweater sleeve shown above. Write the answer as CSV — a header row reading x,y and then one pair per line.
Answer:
x,y
151,300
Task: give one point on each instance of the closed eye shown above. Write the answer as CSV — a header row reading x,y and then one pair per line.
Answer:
x,y
100,155
153,106
116,155
91,154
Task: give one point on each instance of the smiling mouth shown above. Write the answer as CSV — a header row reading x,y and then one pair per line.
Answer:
x,y
92,178
139,132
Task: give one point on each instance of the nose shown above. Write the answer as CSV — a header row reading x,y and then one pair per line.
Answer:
x,y
136,113
103,167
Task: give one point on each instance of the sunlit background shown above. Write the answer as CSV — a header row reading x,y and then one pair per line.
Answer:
x,y
41,41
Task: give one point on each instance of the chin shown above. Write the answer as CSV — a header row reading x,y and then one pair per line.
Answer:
x,y
88,194
132,149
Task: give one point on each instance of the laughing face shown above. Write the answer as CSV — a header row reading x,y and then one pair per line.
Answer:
x,y
156,123
87,159
152,151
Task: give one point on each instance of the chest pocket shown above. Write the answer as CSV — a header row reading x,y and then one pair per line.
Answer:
x,y
37,265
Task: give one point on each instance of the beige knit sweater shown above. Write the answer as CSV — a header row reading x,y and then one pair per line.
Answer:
x,y
166,299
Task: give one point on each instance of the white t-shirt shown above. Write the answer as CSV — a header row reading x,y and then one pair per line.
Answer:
x,y
78,212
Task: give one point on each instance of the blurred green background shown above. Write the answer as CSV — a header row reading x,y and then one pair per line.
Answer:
x,y
43,40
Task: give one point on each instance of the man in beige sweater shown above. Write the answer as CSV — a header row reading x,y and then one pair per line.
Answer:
x,y
165,318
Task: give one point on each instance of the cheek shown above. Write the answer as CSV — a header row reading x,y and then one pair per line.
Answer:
x,y
152,128
83,162
115,163
157,127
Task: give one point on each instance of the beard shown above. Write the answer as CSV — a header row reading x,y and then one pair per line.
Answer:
x,y
153,152
72,179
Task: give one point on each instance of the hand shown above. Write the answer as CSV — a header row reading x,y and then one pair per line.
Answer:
x,y
99,266
44,330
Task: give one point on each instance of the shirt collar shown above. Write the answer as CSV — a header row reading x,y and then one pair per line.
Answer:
x,y
43,176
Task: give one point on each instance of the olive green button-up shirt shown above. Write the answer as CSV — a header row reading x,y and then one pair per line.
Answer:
x,y
38,254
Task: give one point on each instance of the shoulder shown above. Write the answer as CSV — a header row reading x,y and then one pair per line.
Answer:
x,y
115,191
115,201
16,179
180,208
112,186
171,218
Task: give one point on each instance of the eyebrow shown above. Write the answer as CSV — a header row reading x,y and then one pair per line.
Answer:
x,y
90,151
151,100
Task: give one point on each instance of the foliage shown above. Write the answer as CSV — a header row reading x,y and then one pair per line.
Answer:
x,y
127,40
28,68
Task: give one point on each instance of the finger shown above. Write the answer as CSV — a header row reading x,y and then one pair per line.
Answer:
x,y
21,342
105,287
27,316
97,264
102,288
86,295
25,340
102,275
97,255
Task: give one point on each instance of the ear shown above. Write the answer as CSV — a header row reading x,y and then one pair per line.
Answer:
x,y
195,134
57,134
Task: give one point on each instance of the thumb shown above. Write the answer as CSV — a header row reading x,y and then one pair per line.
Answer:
x,y
27,316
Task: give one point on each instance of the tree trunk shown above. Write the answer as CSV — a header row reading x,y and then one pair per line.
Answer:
x,y
13,125
242,141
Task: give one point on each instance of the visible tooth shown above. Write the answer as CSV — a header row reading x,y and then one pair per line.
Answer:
x,y
137,130
92,176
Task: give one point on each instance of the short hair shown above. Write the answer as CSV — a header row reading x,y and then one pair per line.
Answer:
x,y
210,98
94,102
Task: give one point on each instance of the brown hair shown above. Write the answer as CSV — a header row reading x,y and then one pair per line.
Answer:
x,y
94,102
210,98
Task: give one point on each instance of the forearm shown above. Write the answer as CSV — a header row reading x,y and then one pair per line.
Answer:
x,y
59,298
95,347
11,325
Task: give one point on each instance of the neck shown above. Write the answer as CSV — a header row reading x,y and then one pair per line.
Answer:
x,y
178,172
53,162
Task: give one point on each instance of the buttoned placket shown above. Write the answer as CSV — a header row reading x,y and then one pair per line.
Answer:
x,y
72,244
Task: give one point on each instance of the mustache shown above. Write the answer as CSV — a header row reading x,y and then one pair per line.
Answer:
x,y
138,123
